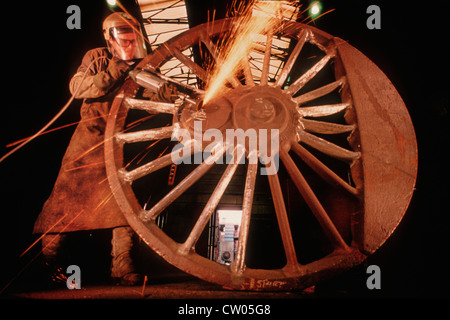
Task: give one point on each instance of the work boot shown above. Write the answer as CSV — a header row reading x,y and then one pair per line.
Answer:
x,y
122,267
51,245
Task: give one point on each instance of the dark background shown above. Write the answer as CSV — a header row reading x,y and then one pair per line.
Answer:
x,y
40,54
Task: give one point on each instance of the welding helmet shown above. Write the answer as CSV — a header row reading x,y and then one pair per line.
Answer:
x,y
124,37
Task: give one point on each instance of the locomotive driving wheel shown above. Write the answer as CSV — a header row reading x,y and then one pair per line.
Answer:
x,y
347,151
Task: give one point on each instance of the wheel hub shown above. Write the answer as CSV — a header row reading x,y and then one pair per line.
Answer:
x,y
258,108
262,107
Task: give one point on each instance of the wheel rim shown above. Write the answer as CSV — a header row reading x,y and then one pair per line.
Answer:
x,y
256,103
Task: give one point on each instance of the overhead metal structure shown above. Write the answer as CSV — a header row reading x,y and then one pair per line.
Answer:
x,y
163,19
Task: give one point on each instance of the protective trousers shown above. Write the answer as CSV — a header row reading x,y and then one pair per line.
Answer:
x,y
122,243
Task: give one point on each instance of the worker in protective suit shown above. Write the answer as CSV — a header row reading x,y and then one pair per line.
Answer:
x,y
81,198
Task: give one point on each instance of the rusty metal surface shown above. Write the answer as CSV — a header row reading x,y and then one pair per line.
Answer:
x,y
388,146
382,159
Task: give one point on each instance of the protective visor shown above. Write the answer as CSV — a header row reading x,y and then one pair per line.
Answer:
x,y
127,43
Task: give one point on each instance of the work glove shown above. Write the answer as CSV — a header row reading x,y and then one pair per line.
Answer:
x,y
115,71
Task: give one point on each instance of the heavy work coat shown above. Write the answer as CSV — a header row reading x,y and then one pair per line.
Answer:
x,y
81,198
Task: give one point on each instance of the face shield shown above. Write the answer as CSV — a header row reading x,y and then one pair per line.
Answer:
x,y
126,42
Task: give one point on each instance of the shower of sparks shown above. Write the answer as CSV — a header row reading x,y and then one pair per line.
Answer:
x,y
259,18
240,44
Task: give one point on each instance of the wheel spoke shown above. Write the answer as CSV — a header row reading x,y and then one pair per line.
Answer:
x,y
283,221
198,70
212,204
182,186
308,75
312,201
322,170
146,135
238,266
266,63
247,72
323,127
327,147
321,111
292,58
151,106
319,92
212,48
152,166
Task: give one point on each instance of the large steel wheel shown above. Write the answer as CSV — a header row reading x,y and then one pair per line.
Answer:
x,y
348,155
